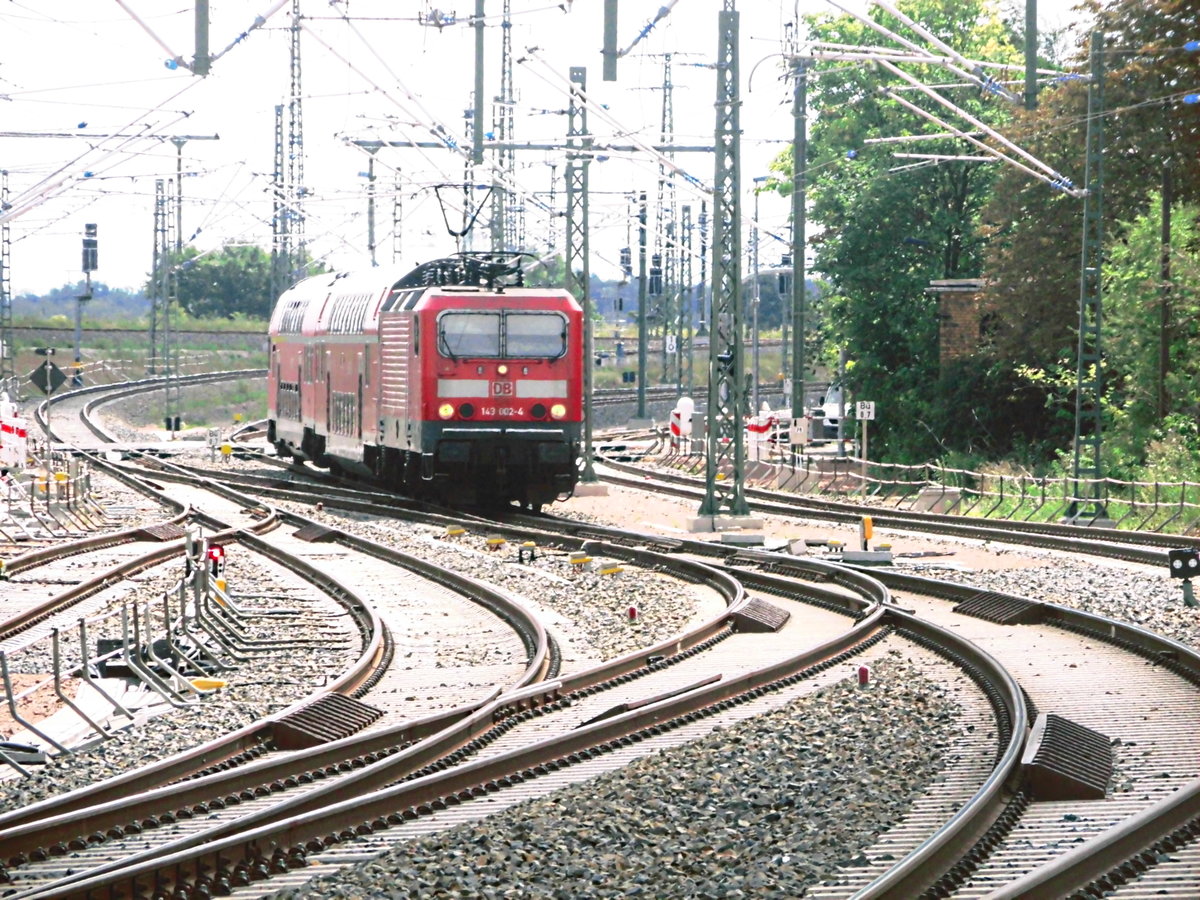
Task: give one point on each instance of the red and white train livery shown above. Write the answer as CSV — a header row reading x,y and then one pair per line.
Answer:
x,y
452,381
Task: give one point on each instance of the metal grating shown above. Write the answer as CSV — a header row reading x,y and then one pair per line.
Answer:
x,y
1003,609
330,718
166,532
1066,761
759,616
315,534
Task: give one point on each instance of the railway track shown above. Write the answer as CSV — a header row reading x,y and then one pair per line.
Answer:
x,y
1112,663
639,664
1147,548
982,788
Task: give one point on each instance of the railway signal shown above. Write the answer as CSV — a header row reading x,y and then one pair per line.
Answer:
x,y
216,560
47,378
1185,563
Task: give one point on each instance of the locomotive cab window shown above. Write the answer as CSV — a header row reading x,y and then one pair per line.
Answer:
x,y
535,334
469,334
506,335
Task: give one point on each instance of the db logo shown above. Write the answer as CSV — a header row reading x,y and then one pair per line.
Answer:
x,y
502,388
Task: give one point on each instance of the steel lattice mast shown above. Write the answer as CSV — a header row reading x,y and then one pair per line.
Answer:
x,y
661,269
505,229
686,298
287,222
397,219
163,358
280,241
1089,385
799,239
579,152
8,374
295,154
725,495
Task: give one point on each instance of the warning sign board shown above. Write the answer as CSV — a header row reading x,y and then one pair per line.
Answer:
x,y
48,378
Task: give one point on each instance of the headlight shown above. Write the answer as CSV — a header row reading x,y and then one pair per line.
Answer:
x,y
446,410
557,411
502,370
466,410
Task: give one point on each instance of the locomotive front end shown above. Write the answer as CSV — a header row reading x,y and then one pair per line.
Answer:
x,y
503,405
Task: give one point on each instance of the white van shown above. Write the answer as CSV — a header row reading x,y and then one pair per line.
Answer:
x,y
830,406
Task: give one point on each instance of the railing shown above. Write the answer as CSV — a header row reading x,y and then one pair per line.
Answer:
x,y
50,497
171,646
1165,507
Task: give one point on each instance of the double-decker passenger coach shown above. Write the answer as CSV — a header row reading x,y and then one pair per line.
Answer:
x,y
452,381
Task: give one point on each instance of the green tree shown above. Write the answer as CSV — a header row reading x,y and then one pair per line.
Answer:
x,y
1033,258
884,228
233,280
1134,306
107,303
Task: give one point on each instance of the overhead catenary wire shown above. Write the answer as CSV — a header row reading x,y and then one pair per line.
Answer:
x,y
912,138
986,82
945,157
1074,192
436,129
259,21
596,110
663,12
902,41
332,192
426,120
1048,174
1057,178
53,185
923,57
174,57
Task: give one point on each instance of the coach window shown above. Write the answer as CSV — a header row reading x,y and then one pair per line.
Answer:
x,y
535,334
469,334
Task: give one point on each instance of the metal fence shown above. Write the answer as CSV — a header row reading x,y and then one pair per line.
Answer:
x,y
1166,507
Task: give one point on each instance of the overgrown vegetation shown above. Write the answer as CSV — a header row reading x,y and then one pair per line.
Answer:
x,y
885,230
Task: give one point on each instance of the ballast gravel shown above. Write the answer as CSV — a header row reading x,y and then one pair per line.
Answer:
x,y
766,807
591,609
279,678
1135,595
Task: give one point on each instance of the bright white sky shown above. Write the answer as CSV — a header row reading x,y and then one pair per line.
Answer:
x,y
86,69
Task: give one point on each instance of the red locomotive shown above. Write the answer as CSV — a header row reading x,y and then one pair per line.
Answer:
x,y
453,381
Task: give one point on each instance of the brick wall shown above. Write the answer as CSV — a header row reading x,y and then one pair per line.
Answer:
x,y
960,317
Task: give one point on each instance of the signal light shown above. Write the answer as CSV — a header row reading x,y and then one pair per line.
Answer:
x,y
216,559
1184,562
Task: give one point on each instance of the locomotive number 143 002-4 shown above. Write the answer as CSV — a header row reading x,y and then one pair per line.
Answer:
x,y
490,412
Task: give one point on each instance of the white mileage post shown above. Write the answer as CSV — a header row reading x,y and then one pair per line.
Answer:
x,y
864,411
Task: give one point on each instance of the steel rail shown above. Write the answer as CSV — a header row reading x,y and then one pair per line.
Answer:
x,y
1139,547
252,854
1116,856
938,853
120,390
58,823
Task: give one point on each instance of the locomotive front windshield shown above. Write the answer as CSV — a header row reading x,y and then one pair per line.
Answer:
x,y
502,335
